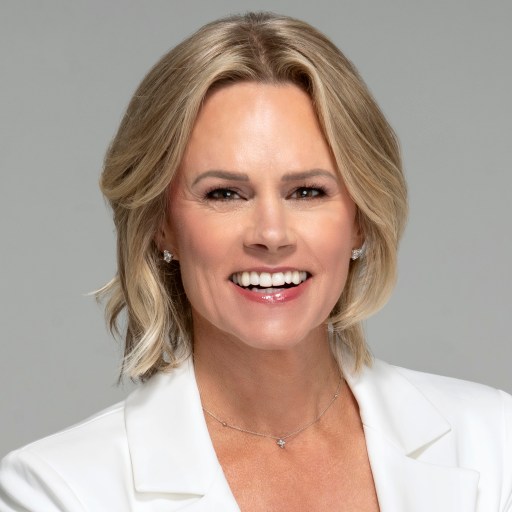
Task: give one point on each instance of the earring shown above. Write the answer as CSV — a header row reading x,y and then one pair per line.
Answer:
x,y
167,256
356,253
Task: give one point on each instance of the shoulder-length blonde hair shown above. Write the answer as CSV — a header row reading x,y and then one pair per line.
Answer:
x,y
150,142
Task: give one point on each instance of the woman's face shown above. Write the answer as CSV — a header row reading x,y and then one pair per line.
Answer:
x,y
259,219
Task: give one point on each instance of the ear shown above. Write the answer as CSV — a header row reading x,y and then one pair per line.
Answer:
x,y
164,238
358,238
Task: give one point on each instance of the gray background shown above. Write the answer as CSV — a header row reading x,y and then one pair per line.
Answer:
x,y
441,72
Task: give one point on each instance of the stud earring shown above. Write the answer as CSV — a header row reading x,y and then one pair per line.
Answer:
x,y
356,253
167,256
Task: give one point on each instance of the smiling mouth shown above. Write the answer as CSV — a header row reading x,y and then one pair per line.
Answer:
x,y
266,282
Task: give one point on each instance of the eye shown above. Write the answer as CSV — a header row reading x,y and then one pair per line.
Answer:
x,y
222,194
308,193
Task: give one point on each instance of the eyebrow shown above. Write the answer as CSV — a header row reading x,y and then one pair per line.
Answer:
x,y
225,175
291,176
312,173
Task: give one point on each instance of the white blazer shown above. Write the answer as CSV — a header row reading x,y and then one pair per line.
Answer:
x,y
435,445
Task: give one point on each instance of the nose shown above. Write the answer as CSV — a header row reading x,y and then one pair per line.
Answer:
x,y
270,227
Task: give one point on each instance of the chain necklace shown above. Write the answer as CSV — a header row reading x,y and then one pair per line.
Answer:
x,y
280,440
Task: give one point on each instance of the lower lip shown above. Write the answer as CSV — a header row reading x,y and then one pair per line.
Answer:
x,y
279,297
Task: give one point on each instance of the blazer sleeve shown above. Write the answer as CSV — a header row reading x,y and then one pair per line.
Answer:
x,y
29,484
507,470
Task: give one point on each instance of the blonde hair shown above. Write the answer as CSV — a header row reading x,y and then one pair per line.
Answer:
x,y
149,145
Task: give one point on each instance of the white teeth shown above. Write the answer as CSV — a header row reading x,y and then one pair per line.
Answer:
x,y
246,279
266,280
278,279
255,280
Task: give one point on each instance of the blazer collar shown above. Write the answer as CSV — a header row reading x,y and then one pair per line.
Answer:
x,y
400,424
169,443
391,405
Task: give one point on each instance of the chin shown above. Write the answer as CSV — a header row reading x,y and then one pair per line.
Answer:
x,y
279,339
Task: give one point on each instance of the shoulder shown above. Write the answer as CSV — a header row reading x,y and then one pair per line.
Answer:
x,y
99,433
101,462
480,417
443,422
459,401
40,472
456,393
414,399
462,401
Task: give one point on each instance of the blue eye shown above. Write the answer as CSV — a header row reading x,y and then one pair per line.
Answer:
x,y
222,194
308,193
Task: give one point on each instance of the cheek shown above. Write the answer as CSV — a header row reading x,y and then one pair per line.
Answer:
x,y
332,245
332,236
203,236
201,248
199,282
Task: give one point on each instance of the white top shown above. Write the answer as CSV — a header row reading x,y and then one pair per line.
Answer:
x,y
434,443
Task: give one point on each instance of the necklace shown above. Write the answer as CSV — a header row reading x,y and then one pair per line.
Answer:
x,y
280,440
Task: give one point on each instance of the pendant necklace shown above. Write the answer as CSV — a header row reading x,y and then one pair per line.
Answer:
x,y
280,440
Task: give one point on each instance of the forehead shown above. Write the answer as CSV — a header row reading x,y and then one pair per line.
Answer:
x,y
250,125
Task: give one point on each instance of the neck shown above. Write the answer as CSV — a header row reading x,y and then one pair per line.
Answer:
x,y
272,391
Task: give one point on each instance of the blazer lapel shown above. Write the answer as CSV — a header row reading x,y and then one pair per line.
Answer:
x,y
170,447
401,425
172,454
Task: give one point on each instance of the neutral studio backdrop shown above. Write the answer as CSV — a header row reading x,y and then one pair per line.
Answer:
x,y
441,70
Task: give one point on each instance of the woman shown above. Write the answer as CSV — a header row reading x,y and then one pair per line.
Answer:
x,y
258,198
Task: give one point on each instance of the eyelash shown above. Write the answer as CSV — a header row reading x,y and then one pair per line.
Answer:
x,y
210,194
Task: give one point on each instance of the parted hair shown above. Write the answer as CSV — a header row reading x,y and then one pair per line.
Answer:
x,y
145,302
